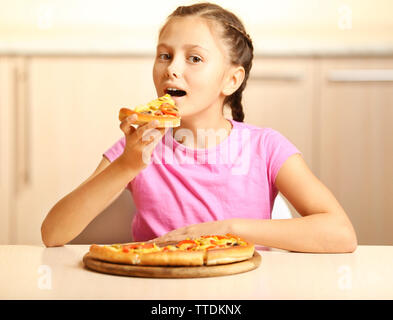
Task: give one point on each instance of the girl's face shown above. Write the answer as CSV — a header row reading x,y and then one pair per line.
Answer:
x,y
190,57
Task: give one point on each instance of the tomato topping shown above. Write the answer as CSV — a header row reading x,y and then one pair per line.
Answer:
x,y
147,245
190,244
185,241
213,242
167,108
127,248
169,112
166,105
221,237
130,246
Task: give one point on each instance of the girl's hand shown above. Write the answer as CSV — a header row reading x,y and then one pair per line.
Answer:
x,y
140,142
196,230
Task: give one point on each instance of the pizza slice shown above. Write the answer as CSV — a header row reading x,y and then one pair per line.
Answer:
x,y
162,109
205,250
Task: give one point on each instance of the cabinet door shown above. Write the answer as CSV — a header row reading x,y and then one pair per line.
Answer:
x,y
72,105
280,95
356,142
8,78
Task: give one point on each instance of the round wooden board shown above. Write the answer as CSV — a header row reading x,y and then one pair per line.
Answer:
x,y
172,272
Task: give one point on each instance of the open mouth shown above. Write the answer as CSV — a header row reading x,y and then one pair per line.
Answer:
x,y
175,92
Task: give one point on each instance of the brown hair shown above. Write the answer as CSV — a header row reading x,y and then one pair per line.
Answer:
x,y
237,39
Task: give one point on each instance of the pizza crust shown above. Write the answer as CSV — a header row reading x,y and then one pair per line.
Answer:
x,y
166,121
160,258
113,255
229,255
173,258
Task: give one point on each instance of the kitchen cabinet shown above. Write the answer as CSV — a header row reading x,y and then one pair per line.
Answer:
x,y
61,125
7,96
355,140
280,94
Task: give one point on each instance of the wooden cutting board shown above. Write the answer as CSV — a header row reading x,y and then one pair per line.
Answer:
x,y
172,272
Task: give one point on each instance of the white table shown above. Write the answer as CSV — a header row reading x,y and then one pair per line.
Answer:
x,y
36,272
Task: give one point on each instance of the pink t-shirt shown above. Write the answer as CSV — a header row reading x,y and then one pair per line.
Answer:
x,y
183,186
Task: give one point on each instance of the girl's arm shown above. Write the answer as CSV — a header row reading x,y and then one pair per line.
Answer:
x,y
323,227
75,211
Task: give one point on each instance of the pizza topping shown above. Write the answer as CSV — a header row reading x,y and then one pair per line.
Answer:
x,y
187,244
170,248
185,241
116,246
202,243
169,109
206,241
216,246
162,106
137,247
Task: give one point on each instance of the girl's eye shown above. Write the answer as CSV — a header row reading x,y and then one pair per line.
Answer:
x,y
164,56
195,59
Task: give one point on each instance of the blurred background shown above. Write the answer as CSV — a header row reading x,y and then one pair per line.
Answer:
x,y
322,76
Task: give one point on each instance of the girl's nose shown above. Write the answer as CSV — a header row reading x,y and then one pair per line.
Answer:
x,y
172,73
173,70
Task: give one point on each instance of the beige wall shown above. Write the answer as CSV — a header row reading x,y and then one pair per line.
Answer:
x,y
326,21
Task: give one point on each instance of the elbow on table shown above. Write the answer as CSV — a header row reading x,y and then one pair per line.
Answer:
x,y
349,242
47,239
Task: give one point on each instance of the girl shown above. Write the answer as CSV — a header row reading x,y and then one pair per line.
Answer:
x,y
186,183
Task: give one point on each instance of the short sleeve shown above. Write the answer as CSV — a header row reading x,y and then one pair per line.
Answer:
x,y
277,150
116,150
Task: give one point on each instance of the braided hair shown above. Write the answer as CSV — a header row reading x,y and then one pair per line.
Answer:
x,y
237,39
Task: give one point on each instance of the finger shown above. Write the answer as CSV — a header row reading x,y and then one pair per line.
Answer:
x,y
153,135
166,237
150,125
126,124
162,243
150,136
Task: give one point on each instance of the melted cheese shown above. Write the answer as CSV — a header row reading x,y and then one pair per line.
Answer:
x,y
140,250
172,248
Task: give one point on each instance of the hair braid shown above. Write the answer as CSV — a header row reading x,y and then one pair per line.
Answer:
x,y
237,107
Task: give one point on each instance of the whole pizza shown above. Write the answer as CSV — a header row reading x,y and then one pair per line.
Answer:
x,y
205,250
